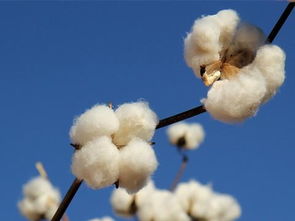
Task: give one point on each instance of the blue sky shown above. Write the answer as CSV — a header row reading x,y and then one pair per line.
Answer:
x,y
59,58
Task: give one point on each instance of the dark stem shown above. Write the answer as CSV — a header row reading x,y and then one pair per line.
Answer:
x,y
67,200
280,22
169,120
180,172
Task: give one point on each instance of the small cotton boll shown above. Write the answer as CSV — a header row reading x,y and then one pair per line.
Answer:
x,y
106,218
162,206
98,121
185,135
123,203
97,163
270,60
27,209
36,187
136,120
236,99
227,206
137,163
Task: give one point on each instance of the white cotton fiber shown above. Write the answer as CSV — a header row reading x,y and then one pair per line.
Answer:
x,y
137,163
236,99
162,205
40,197
97,163
210,35
98,121
142,195
122,202
136,120
106,218
270,60
191,135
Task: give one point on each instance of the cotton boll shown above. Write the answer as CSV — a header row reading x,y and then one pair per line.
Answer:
x,y
36,187
98,121
270,60
185,135
27,209
137,162
97,163
136,120
162,206
236,99
106,218
123,203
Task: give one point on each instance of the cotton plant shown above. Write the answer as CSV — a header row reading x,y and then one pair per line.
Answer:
x,y
202,203
232,58
186,135
113,146
40,201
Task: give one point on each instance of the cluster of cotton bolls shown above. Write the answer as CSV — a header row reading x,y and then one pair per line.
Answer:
x,y
190,201
186,135
40,201
114,146
232,57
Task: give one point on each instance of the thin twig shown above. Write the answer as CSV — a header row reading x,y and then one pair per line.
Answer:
x,y
280,22
67,200
180,172
169,120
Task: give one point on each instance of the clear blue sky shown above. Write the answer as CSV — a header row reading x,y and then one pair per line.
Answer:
x,y
59,58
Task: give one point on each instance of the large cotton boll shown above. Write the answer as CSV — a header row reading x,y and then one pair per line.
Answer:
x,y
137,163
97,163
123,203
185,135
98,121
234,100
270,60
162,206
136,120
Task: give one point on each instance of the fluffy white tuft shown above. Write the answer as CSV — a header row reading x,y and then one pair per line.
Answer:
x,y
99,120
270,60
106,218
137,162
161,205
97,163
235,99
136,120
122,202
191,135
40,198
209,36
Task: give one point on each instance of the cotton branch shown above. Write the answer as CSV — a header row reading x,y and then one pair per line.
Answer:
x,y
169,120
179,172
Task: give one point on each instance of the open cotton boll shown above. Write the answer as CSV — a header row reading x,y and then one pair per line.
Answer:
x,y
226,207
106,218
37,186
137,163
123,203
97,163
270,60
162,206
99,120
136,120
236,99
185,135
